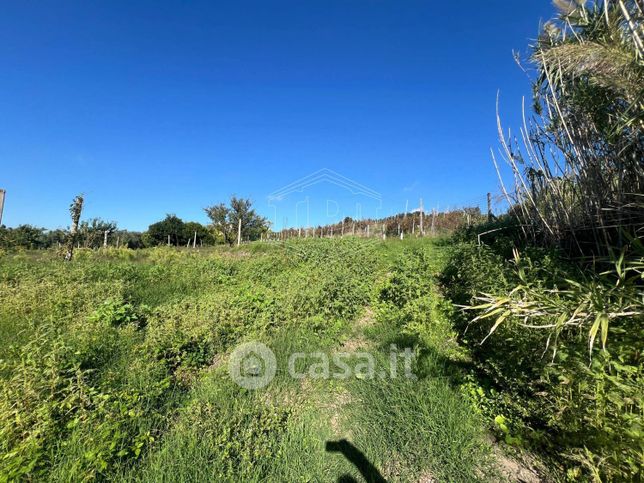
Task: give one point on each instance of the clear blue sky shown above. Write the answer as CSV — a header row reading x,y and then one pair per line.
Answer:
x,y
165,107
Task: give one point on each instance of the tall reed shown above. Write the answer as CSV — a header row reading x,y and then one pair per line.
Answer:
x,y
578,163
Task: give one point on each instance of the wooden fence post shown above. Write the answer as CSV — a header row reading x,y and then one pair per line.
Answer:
x,y
489,207
433,219
3,193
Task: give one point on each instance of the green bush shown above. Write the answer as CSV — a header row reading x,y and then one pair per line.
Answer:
x,y
61,412
530,343
117,314
470,269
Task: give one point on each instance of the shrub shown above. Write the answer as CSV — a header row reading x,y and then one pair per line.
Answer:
x,y
117,314
534,320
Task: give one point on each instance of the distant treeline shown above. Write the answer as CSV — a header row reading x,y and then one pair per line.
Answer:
x,y
172,230
433,223
33,237
96,233
228,223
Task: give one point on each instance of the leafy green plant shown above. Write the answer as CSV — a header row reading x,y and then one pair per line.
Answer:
x,y
593,302
117,314
530,344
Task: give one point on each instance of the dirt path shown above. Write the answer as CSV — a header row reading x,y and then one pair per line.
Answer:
x,y
509,468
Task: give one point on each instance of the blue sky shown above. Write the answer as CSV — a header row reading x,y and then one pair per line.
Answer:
x,y
162,107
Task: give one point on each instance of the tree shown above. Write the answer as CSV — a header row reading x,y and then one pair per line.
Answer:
x,y
91,232
55,238
203,234
219,217
23,236
225,220
75,210
172,226
129,239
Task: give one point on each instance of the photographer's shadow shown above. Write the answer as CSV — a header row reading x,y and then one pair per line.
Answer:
x,y
368,471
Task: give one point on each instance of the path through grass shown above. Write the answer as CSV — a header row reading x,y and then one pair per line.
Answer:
x,y
152,366
310,429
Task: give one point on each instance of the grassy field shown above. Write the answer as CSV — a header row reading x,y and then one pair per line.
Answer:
x,y
116,366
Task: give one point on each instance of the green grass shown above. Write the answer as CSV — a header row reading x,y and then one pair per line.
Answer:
x,y
114,366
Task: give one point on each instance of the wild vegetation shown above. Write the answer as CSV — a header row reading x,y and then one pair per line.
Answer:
x,y
557,353
172,230
223,229
114,365
526,326
555,298
579,169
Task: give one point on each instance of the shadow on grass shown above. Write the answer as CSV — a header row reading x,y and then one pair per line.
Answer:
x,y
368,471
429,361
